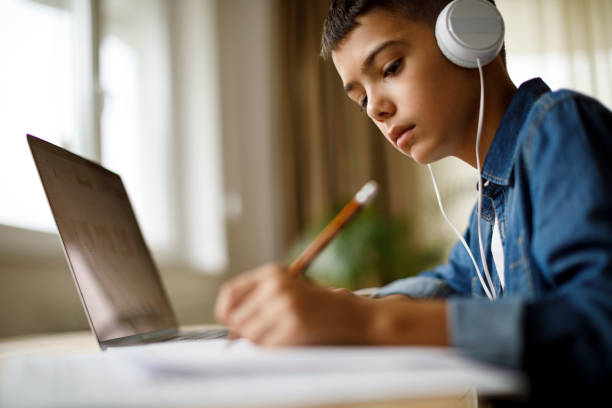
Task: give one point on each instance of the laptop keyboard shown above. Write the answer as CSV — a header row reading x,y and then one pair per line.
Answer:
x,y
201,335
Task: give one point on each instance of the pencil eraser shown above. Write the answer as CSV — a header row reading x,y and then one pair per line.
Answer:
x,y
367,192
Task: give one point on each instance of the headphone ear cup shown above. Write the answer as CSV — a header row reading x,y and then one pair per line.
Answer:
x,y
467,30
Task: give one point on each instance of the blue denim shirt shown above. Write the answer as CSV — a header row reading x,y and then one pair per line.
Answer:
x,y
548,177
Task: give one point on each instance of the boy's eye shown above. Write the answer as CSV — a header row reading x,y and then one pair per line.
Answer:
x,y
392,69
364,103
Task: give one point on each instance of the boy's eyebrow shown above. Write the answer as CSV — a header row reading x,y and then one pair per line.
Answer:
x,y
370,59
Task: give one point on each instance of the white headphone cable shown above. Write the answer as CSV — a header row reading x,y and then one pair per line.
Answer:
x,y
467,248
478,135
489,291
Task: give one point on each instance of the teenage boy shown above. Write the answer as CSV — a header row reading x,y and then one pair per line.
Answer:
x,y
546,213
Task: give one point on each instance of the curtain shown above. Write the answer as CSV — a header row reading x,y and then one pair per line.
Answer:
x,y
328,148
567,42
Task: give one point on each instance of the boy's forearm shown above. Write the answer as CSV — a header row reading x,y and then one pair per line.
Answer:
x,y
399,320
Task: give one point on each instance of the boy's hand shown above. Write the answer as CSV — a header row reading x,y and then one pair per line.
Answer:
x,y
270,307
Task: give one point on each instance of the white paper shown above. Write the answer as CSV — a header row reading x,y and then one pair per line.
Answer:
x,y
209,373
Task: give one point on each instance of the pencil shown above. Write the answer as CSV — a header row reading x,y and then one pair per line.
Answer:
x,y
361,199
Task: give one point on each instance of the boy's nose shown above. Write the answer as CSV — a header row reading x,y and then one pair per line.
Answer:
x,y
380,109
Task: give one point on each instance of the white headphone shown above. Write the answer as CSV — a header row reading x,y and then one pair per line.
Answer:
x,y
470,29
470,33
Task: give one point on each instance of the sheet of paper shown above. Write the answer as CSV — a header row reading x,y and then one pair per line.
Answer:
x,y
209,373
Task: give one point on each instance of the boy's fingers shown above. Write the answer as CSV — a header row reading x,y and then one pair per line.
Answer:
x,y
230,296
233,292
282,335
268,322
260,324
252,303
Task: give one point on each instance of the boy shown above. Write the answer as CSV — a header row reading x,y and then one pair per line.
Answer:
x,y
546,217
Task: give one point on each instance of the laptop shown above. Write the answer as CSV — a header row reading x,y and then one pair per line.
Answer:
x,y
118,282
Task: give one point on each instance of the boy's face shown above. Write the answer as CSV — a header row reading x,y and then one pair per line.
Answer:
x,y
423,104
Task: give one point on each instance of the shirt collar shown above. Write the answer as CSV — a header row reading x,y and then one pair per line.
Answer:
x,y
498,163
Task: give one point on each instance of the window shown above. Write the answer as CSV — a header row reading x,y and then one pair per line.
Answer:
x,y
37,97
101,78
136,123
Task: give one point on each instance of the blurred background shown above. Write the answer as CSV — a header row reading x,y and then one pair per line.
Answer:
x,y
234,139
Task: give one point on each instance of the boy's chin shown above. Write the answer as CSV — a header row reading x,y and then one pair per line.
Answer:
x,y
422,161
418,155
406,151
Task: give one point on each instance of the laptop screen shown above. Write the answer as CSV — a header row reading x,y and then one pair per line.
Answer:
x,y
117,279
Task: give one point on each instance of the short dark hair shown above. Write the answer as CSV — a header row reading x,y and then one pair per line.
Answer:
x,y
342,15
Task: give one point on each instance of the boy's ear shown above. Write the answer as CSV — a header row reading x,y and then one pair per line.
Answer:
x,y
470,30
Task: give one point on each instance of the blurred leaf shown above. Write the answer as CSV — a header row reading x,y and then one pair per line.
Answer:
x,y
372,250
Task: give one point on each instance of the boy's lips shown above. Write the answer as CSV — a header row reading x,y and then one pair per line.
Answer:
x,y
399,135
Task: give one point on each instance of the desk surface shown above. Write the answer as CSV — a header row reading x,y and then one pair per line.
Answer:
x,y
66,345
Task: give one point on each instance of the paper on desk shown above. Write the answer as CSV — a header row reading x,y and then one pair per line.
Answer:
x,y
215,358
209,373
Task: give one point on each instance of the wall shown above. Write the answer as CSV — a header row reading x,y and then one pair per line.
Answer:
x,y
250,145
37,293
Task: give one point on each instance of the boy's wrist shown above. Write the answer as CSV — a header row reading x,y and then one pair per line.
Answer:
x,y
400,320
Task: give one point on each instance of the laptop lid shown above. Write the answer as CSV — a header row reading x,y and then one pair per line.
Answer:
x,y
113,270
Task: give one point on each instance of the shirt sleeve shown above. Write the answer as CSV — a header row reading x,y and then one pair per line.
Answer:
x,y
568,327
488,331
481,329
453,278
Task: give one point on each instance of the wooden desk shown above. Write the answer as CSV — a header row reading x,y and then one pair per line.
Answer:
x,y
83,343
